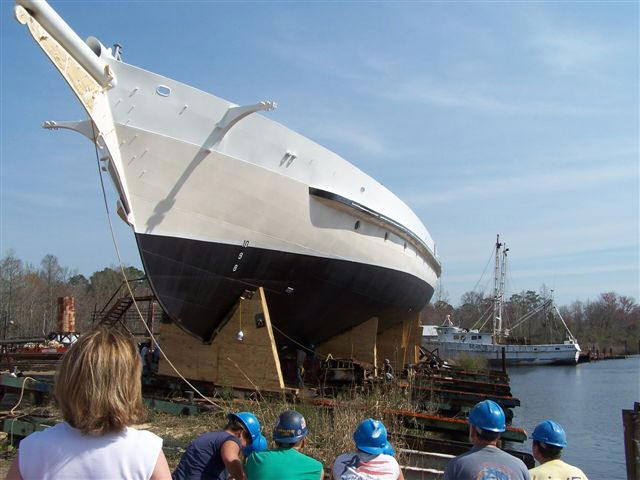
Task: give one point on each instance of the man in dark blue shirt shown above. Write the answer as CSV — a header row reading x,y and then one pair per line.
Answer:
x,y
216,455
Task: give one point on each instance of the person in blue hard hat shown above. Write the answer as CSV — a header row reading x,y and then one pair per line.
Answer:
x,y
286,461
216,455
260,444
548,441
373,457
485,460
388,450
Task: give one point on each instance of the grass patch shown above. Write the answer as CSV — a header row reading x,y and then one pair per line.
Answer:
x,y
331,427
471,363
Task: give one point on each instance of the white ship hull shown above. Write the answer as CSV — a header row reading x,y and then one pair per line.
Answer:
x,y
223,200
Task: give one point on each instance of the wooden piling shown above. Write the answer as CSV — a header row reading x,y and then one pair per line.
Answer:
x,y
631,424
504,359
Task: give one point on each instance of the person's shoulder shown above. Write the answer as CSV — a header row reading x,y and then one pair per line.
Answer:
x,y
387,458
515,461
308,459
459,458
537,473
50,434
209,437
542,472
261,456
575,471
345,457
143,435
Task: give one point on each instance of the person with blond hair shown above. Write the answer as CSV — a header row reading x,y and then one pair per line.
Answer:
x,y
98,391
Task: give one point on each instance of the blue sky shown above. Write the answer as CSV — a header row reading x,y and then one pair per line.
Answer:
x,y
518,118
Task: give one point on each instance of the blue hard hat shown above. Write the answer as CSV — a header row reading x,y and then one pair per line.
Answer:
x,y
291,427
550,433
249,421
258,445
388,450
371,436
488,415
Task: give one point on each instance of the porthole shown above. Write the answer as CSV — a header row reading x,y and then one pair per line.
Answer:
x,y
163,91
357,225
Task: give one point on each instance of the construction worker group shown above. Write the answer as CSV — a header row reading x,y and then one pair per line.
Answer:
x,y
216,455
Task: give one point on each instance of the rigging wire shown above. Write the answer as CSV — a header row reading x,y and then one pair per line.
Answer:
x,y
481,317
126,280
483,271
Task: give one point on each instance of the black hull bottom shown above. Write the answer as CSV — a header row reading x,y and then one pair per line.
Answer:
x,y
310,299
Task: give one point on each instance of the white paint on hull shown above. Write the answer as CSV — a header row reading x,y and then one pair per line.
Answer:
x,y
515,354
242,189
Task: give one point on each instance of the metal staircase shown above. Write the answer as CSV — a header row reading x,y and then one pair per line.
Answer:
x,y
120,311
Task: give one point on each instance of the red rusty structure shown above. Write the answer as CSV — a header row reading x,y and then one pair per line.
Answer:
x,y
66,314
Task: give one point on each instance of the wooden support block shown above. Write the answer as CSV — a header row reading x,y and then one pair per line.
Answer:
x,y
357,343
252,363
398,343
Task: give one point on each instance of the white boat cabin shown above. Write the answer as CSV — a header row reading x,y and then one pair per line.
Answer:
x,y
463,335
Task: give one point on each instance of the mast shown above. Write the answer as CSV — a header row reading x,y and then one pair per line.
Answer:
x,y
503,274
496,275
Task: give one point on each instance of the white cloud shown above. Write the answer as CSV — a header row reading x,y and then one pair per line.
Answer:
x,y
553,181
430,91
41,200
473,87
549,273
569,50
573,270
361,140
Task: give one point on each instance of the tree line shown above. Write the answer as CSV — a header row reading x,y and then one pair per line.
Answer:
x,y
29,294
610,322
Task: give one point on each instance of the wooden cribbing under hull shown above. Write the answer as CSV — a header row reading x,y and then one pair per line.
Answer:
x,y
400,344
357,343
249,363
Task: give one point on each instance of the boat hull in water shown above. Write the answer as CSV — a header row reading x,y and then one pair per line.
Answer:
x,y
223,200
550,354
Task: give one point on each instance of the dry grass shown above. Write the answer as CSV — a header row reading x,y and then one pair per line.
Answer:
x,y
471,363
331,427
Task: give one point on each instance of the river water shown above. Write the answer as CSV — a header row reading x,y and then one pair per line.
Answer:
x,y
587,400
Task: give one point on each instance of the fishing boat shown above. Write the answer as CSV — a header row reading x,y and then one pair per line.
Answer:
x,y
452,341
223,200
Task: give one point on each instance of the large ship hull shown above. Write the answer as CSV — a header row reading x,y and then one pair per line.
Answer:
x,y
191,279
223,200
